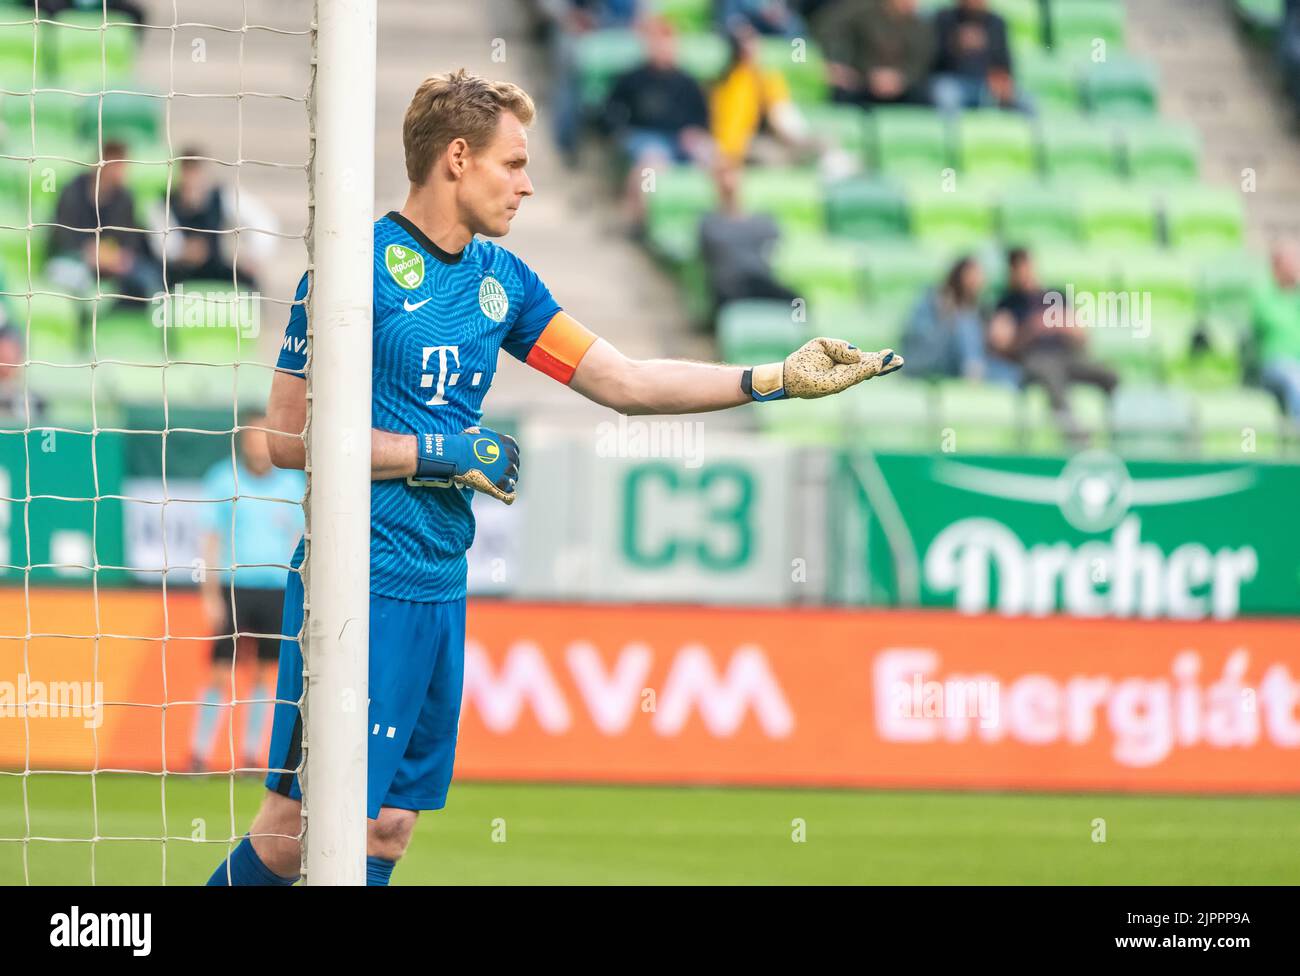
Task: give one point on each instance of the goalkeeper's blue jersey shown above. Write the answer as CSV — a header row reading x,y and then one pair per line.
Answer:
x,y
439,320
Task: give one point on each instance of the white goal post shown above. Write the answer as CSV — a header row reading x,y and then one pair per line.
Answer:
x,y
337,569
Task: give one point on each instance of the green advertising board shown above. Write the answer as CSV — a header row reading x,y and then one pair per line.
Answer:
x,y
50,520
1092,535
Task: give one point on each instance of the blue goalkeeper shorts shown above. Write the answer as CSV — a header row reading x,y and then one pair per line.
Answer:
x,y
417,666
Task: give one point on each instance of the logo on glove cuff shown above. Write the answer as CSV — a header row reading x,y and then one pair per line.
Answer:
x,y
486,450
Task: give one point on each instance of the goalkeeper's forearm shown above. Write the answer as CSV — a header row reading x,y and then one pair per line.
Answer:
x,y
650,386
391,455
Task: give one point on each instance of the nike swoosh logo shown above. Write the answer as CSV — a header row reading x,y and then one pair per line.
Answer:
x,y
411,308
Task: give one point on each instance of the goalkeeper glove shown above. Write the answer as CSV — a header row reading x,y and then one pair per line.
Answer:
x,y
476,458
818,368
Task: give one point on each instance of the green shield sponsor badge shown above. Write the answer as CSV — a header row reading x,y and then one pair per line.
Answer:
x,y
405,265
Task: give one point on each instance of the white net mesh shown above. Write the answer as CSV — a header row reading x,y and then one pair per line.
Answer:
x,y
154,175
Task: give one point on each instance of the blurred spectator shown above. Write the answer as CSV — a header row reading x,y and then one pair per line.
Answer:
x,y
1052,357
945,334
122,254
206,210
1275,321
736,247
972,64
878,52
14,400
658,113
749,102
769,17
566,22
251,536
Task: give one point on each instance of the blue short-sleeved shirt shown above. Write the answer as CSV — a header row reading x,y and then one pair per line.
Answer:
x,y
256,534
439,321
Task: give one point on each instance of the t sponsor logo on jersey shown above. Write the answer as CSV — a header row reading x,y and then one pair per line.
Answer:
x,y
405,265
492,299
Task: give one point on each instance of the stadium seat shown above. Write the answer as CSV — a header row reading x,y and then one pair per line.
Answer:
x,y
55,325
1204,218
845,126
828,267
685,15
792,196
961,217
1159,151
703,56
91,55
129,336
1091,270
1153,422
18,49
681,196
897,413
1264,17
1121,87
909,142
1052,82
1227,282
15,241
133,117
1034,214
209,324
1077,25
1024,20
1169,280
995,145
822,422
1075,149
600,57
1117,216
758,331
895,276
1231,421
805,76
865,325
981,416
57,113
866,209
1041,430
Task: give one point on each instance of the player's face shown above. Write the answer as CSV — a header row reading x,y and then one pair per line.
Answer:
x,y
495,183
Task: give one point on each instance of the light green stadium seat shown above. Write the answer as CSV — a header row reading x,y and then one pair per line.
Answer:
x,y
962,217
847,126
209,324
89,54
1262,16
1117,217
685,15
1036,214
1121,87
15,240
1153,422
981,416
600,57
829,268
1052,82
133,117
866,326
54,324
759,331
703,56
18,55
910,142
1138,359
681,196
805,76
866,209
1076,149
1084,269
1158,151
996,145
1170,280
127,336
896,275
823,422
1231,421
1076,26
1227,282
56,113
1024,20
792,196
910,409
149,180
1041,430
1204,218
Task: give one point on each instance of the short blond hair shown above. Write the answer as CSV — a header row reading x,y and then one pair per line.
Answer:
x,y
456,105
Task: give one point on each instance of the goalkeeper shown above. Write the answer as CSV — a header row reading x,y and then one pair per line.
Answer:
x,y
446,300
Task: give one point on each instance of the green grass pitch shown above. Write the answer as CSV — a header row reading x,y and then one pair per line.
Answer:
x,y
521,834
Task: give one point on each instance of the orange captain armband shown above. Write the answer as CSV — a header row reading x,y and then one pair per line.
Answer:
x,y
560,347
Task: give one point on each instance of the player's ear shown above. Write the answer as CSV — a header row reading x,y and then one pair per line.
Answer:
x,y
457,156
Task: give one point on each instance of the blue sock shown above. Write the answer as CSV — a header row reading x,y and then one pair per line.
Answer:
x,y
255,725
378,871
210,713
246,868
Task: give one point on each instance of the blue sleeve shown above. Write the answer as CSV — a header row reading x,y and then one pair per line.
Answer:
x,y
293,351
536,309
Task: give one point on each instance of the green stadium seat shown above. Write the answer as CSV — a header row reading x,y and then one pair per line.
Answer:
x,y
1084,270
1117,216
1227,283
129,336
1041,430
1077,150
1153,422
15,240
54,324
209,324
57,113
981,416
866,326
822,422
703,56
1231,421
805,76
792,196
845,125
1024,20
1264,17
1204,218
1121,87
1036,214
815,265
1169,279
600,57
133,117
1052,82
685,15
908,405
866,209
1158,151
759,331
910,142
18,49
90,54
961,217
996,145
681,196
895,275
1077,26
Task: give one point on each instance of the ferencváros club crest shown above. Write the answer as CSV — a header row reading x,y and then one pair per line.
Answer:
x,y
492,299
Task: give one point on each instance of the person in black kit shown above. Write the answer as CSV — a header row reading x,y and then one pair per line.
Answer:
x,y
201,211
